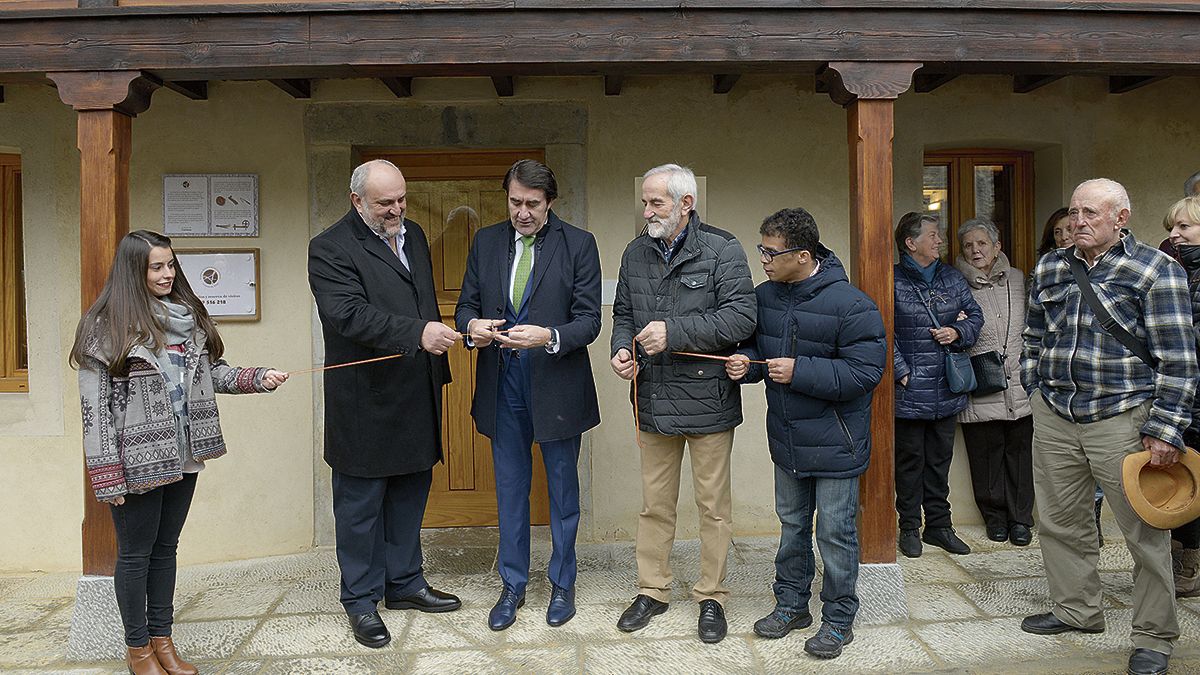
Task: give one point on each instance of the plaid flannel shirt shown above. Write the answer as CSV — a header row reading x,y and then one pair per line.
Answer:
x,y
1086,374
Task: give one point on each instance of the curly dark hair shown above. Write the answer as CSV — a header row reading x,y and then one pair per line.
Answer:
x,y
796,227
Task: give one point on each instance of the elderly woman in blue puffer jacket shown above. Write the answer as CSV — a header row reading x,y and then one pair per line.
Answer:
x,y
925,407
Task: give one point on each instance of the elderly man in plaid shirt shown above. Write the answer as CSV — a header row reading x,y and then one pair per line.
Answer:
x,y
1094,401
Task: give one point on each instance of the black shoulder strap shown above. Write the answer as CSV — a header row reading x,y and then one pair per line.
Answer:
x,y
1107,322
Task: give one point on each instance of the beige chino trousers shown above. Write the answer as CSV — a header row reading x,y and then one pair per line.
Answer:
x,y
1068,460
662,459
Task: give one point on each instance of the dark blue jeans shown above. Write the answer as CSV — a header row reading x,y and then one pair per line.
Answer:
x,y
148,527
835,502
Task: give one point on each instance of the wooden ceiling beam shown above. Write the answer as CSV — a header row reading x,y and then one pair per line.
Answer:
x,y
926,82
612,85
197,90
1023,84
259,44
400,86
504,84
1120,84
723,84
296,88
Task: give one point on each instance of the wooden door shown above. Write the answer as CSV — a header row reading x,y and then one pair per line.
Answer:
x,y
452,195
985,183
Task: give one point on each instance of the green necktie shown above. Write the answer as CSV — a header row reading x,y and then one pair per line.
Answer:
x,y
521,277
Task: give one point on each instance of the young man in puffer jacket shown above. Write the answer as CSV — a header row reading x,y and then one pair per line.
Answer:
x,y
825,348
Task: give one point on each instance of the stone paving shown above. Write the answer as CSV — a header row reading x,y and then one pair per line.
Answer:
x,y
281,615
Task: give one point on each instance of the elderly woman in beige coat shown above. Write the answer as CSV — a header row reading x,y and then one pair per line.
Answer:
x,y
998,427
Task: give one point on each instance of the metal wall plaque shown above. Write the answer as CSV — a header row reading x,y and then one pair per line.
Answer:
x,y
225,280
210,205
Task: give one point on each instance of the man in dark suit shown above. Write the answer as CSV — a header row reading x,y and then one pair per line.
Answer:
x,y
373,282
538,277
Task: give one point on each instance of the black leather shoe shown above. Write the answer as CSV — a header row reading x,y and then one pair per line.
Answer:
x,y
369,630
997,533
712,626
428,599
1048,624
944,538
1019,535
1148,662
638,615
562,605
504,612
910,543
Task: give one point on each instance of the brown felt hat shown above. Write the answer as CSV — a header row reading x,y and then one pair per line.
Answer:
x,y
1163,498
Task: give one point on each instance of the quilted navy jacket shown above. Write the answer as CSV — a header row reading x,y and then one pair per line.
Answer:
x,y
927,395
819,425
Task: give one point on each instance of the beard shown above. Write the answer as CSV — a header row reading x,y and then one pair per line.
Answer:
x,y
661,228
379,225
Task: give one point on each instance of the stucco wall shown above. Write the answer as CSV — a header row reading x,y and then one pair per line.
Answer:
x,y
769,144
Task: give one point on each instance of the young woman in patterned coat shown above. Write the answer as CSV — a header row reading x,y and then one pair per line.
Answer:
x,y
149,359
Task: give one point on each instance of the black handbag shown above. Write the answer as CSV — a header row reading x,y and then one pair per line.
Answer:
x,y
989,366
989,373
959,373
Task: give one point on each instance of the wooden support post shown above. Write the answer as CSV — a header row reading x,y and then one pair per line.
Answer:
x,y
868,90
106,103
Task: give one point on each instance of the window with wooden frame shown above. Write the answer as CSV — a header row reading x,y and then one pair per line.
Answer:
x,y
986,183
14,343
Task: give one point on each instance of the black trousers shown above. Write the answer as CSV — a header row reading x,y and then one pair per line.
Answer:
x,y
923,452
1001,455
148,527
1188,534
377,522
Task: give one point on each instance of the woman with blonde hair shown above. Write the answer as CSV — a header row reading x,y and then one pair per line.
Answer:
x,y
1182,224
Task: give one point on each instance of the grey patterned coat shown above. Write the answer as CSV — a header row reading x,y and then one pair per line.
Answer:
x,y
129,433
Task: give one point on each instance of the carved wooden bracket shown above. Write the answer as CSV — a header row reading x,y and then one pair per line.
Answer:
x,y
848,81
126,91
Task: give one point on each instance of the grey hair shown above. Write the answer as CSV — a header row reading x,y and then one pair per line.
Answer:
x,y
1117,196
358,179
680,182
1189,185
978,224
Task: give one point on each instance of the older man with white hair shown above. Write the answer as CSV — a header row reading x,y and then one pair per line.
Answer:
x,y
684,286
1101,389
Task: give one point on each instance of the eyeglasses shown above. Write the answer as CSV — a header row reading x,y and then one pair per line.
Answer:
x,y
765,253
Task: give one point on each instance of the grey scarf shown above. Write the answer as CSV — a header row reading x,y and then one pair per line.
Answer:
x,y
178,325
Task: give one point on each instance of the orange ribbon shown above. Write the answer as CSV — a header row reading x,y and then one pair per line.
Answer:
x,y
343,365
714,357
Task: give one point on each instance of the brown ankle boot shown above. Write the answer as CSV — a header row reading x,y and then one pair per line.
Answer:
x,y
142,661
169,659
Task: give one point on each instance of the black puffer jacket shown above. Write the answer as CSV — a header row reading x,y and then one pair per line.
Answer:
x,y
706,298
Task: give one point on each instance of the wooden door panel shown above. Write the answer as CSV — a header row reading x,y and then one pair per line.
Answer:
x,y
451,211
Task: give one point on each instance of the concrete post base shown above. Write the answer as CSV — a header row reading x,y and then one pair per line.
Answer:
x,y
881,594
96,632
